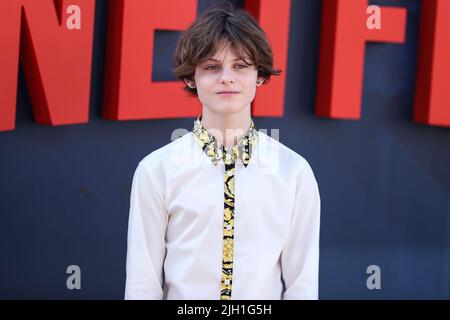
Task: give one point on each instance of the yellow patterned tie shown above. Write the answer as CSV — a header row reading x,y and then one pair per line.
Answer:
x,y
228,226
216,152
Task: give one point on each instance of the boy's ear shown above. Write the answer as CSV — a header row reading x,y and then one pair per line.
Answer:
x,y
190,83
260,81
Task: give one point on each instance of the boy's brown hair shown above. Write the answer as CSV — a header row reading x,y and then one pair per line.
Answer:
x,y
223,22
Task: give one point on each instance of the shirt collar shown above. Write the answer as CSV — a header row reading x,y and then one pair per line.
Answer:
x,y
216,151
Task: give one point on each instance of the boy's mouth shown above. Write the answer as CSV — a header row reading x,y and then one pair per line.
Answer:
x,y
227,92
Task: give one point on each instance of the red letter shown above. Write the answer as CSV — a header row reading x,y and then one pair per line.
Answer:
x,y
342,49
432,100
129,92
273,16
56,61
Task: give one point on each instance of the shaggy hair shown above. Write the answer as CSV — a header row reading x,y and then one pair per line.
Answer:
x,y
221,22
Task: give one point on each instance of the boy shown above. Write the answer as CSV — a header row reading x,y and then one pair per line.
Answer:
x,y
239,218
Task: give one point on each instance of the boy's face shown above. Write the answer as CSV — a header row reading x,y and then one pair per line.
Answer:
x,y
225,73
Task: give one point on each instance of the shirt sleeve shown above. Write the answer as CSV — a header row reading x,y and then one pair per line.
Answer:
x,y
300,255
146,238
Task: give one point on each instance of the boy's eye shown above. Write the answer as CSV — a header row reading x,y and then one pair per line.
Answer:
x,y
239,66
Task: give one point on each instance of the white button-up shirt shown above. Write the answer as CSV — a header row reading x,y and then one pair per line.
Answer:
x,y
176,225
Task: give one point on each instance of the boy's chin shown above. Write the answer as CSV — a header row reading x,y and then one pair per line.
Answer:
x,y
227,109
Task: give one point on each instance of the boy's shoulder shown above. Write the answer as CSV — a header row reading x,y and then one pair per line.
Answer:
x,y
164,153
287,157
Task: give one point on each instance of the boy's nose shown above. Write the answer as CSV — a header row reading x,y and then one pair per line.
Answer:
x,y
226,76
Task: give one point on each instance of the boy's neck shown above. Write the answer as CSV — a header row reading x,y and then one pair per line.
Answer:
x,y
217,124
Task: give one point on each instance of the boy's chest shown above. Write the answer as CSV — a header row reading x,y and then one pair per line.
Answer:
x,y
263,204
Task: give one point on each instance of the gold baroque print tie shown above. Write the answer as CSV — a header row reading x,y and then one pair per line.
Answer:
x,y
228,228
217,152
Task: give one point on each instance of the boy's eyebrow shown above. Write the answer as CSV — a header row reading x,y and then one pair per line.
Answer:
x,y
215,60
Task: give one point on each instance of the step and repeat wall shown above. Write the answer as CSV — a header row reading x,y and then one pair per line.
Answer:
x,y
359,105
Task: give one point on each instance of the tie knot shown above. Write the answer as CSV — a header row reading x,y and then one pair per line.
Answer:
x,y
230,156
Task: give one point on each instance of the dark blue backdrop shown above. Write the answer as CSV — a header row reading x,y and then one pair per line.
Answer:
x,y
384,181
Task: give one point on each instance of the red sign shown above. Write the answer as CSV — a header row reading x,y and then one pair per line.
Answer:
x,y
54,39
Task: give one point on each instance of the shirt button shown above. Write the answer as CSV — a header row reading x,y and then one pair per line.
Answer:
x,y
227,282
229,227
